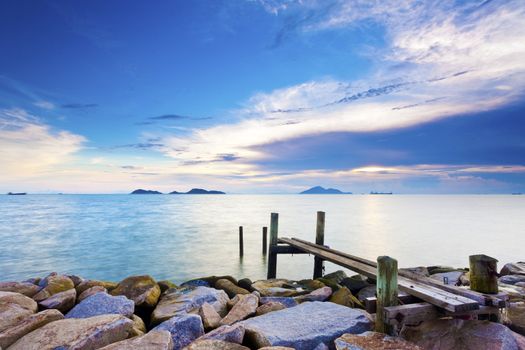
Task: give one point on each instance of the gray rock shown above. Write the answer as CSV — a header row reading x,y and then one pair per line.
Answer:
x,y
320,294
355,283
286,301
367,292
231,334
512,279
62,301
91,291
183,329
245,307
305,326
155,340
101,304
336,276
210,318
517,268
451,278
269,307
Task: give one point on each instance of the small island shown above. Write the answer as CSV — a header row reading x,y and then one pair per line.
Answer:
x,y
16,194
322,190
198,191
141,191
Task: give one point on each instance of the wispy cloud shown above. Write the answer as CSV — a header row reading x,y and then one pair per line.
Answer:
x,y
79,105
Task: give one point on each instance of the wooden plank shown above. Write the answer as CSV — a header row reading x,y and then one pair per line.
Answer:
x,y
386,291
286,249
319,240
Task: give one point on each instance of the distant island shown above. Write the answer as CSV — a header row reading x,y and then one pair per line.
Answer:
x,y
141,191
322,190
192,191
374,192
16,194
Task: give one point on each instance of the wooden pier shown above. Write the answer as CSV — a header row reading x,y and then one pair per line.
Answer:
x,y
427,297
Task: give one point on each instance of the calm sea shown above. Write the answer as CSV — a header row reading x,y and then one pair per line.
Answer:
x,y
180,237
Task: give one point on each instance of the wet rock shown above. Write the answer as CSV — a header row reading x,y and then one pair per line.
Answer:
x,y
344,297
100,304
320,294
183,329
515,315
88,333
367,292
27,325
210,318
143,290
305,326
231,334
91,291
276,288
461,334
25,288
511,279
139,327
91,283
188,300
14,307
355,283
211,344
244,308
246,283
154,340
62,301
372,341
231,289
269,307
336,276
517,268
52,285
165,285
286,301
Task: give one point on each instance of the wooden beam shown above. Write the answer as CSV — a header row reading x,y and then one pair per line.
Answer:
x,y
386,290
319,240
286,249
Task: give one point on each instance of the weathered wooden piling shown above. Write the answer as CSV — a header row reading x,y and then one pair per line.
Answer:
x,y
241,242
483,274
386,290
272,259
319,239
264,240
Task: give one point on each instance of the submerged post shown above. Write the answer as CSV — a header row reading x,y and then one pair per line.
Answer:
x,y
272,260
319,239
483,274
386,290
264,240
241,242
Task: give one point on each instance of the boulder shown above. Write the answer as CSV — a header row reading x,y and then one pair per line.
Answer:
x,y
355,283
517,268
344,297
461,334
515,315
91,291
367,292
286,301
211,344
305,326
139,327
210,318
210,280
329,283
14,307
336,276
18,299
88,333
320,294
183,329
25,288
452,278
372,341
164,285
246,283
310,285
154,340
86,284
52,285
27,325
512,279
231,334
100,304
276,288
244,308
143,290
76,279
62,301
188,300
269,307
196,283
230,288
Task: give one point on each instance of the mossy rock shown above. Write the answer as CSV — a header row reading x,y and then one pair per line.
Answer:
x,y
355,283
329,283
211,280
164,285
311,284
246,283
143,290
91,283
336,276
442,269
53,284
344,297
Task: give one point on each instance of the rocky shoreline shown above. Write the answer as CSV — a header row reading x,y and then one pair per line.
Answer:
x,y
219,312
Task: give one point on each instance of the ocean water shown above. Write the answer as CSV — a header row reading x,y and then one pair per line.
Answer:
x,y
179,237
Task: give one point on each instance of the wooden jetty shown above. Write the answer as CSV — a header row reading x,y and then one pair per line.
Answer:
x,y
426,298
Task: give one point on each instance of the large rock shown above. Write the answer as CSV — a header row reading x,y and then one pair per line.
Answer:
x,y
269,307
82,286
244,308
52,285
91,291
101,304
516,317
336,276
230,288
143,290
188,300
286,301
305,326
183,328
366,292
164,285
154,340
79,334
139,327
212,344
14,307
26,325
466,335
25,288
512,279
517,268
344,297
355,283
210,318
18,299
452,278
62,301
232,334
276,288
320,294
372,341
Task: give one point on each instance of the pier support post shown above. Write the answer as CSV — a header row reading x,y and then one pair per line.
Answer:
x,y
386,290
483,274
264,240
319,239
272,259
241,242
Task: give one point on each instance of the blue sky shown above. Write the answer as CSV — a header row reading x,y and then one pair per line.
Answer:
x,y
262,96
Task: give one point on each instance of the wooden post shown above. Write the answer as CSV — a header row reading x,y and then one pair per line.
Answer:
x,y
264,240
241,242
483,274
386,290
319,239
272,260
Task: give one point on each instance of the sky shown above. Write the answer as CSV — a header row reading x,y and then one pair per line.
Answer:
x,y
262,96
